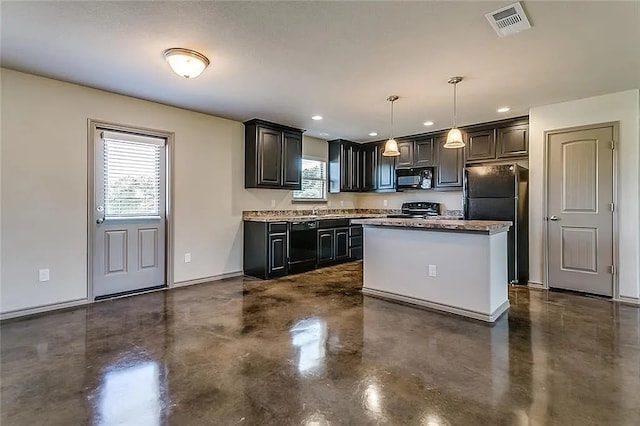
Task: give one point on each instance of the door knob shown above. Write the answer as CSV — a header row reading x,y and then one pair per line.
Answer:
x,y
554,218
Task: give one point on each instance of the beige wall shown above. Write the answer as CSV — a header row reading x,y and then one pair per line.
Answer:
x,y
451,200
623,107
44,185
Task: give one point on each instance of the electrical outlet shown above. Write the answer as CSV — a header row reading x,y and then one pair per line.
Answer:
x,y
43,275
385,203
341,203
187,258
273,203
433,271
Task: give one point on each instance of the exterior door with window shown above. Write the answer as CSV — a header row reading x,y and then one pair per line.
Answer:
x,y
129,215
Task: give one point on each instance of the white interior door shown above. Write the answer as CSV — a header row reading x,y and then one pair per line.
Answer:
x,y
580,209
129,215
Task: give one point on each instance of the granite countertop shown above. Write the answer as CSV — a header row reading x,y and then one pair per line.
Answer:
x,y
309,217
479,226
323,214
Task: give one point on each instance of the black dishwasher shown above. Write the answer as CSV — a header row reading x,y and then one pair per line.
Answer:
x,y
303,239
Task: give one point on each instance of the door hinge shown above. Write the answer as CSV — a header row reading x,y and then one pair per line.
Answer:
x,y
613,145
612,207
612,269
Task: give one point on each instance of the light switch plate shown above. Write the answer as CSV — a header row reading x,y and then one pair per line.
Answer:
x,y
43,275
187,257
385,203
433,271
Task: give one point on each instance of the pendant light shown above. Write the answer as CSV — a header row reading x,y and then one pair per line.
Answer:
x,y
186,63
391,147
454,137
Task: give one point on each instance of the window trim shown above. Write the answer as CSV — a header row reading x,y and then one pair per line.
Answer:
x,y
322,200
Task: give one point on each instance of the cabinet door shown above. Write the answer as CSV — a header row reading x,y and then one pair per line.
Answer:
x,y
450,165
277,254
269,157
369,156
356,168
326,247
386,171
513,141
292,160
342,244
405,159
424,154
481,145
345,167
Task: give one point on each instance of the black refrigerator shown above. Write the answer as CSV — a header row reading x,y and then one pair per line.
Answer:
x,y
500,192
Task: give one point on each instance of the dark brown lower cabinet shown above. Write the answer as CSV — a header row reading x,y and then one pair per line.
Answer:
x,y
355,242
265,249
342,244
326,243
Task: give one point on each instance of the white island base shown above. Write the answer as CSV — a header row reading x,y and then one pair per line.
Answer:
x,y
470,269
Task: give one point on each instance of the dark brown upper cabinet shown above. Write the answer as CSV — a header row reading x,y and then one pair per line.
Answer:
x,y
450,165
385,171
273,155
405,159
424,152
501,140
369,163
344,166
513,141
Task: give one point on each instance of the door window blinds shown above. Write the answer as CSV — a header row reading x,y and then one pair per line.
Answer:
x,y
132,175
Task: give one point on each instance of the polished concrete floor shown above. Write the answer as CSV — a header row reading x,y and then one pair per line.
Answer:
x,y
311,350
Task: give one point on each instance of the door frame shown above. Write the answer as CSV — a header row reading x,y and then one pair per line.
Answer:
x,y
614,181
92,127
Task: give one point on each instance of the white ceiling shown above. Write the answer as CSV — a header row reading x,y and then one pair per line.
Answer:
x,y
286,61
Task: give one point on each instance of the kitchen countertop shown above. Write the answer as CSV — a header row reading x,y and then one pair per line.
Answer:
x,y
302,218
476,226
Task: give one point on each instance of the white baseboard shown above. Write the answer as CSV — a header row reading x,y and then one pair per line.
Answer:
x,y
438,306
628,300
536,285
41,309
207,279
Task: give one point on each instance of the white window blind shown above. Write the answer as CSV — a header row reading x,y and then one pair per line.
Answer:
x,y
132,176
314,181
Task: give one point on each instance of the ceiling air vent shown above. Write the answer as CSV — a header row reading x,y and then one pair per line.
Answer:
x,y
508,20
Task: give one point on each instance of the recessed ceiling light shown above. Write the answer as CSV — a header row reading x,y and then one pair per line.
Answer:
x,y
503,109
324,134
316,117
373,134
428,123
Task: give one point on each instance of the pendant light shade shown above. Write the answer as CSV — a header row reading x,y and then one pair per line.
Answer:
x,y
391,147
185,62
454,137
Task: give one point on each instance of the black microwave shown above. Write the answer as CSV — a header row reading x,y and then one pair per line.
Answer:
x,y
414,178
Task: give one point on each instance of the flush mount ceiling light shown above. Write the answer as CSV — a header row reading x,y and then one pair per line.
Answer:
x,y
454,137
503,109
316,117
185,62
373,134
391,147
428,123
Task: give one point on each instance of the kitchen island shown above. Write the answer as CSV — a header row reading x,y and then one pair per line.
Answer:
x,y
457,266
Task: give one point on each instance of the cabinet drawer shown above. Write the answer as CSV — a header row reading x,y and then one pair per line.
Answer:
x,y
355,230
355,242
333,223
277,227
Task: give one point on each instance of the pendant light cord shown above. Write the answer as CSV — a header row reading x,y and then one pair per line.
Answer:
x,y
391,136
454,104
